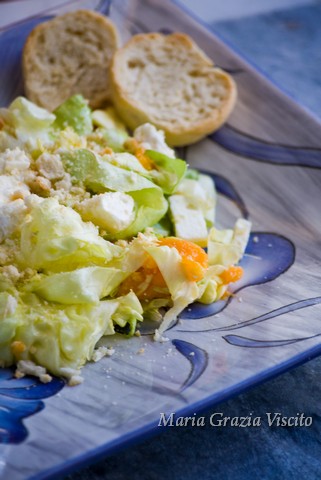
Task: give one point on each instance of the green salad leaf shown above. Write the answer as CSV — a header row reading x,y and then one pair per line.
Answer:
x,y
61,338
74,113
226,247
99,175
83,285
55,238
169,172
31,124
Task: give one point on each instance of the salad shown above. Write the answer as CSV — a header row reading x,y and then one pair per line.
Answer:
x,y
99,231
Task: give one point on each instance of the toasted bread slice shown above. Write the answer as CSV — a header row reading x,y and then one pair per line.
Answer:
x,y
169,82
67,55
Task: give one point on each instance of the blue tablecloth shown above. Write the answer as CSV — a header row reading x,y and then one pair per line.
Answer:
x,y
286,46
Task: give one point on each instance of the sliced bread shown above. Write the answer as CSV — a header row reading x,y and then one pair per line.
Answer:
x,y
168,80
67,55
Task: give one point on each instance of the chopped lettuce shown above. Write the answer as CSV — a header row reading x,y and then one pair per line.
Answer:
x,y
128,313
169,171
60,338
54,238
62,274
192,174
31,124
127,161
110,129
109,120
183,292
99,175
74,113
192,208
113,138
83,285
226,247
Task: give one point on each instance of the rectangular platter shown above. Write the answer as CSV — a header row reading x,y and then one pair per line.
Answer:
x,y
266,162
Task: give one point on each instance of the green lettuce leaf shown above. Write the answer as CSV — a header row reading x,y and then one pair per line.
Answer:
x,y
109,120
226,247
111,130
99,175
83,285
127,161
128,313
29,123
74,113
54,238
113,138
183,292
169,173
61,338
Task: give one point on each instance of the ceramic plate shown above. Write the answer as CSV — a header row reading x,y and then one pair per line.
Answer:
x,y
266,162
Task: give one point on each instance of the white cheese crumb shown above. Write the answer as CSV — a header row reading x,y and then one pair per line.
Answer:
x,y
11,216
75,380
8,186
112,211
159,338
50,166
11,272
13,161
101,352
27,367
110,352
152,139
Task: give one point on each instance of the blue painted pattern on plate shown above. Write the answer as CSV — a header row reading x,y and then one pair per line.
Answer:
x,y
20,398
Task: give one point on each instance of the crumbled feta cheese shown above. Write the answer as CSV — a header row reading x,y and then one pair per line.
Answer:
x,y
65,183
75,380
12,161
101,352
11,272
27,367
33,200
50,166
40,186
159,338
72,374
152,139
8,186
112,211
11,216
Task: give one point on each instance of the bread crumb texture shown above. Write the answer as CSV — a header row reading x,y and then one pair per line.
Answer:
x,y
68,55
168,81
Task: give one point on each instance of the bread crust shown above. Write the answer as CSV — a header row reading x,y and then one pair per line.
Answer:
x,y
69,54
137,110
